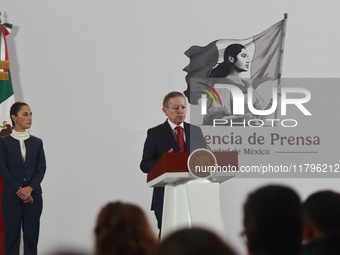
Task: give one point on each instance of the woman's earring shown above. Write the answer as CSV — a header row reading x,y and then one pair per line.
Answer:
x,y
231,59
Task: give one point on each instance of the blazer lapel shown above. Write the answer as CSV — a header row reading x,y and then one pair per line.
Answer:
x,y
28,145
169,136
187,136
15,146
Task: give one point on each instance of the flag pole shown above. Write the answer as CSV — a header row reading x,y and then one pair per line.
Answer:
x,y
281,61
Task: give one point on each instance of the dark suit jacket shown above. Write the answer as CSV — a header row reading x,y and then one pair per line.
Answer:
x,y
160,140
18,173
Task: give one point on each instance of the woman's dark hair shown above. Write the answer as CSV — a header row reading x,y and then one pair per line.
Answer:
x,y
223,69
15,108
123,229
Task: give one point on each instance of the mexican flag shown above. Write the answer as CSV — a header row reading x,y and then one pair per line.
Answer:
x,y
265,54
6,101
6,90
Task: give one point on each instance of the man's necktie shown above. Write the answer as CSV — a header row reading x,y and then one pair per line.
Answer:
x,y
180,138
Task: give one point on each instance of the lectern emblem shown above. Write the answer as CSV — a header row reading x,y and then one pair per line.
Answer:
x,y
202,163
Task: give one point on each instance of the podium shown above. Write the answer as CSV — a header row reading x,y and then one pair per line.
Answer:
x,y
190,201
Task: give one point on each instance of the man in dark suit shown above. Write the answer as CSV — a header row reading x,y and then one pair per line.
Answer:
x,y
163,139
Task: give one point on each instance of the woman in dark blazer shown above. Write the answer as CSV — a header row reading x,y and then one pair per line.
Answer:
x,y
22,167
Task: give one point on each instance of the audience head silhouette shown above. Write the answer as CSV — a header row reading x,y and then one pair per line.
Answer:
x,y
321,212
123,229
273,221
194,241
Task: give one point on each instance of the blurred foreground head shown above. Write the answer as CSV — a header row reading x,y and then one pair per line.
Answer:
x,y
273,221
321,212
123,229
194,241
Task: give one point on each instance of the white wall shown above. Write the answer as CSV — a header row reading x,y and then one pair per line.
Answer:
x,y
95,72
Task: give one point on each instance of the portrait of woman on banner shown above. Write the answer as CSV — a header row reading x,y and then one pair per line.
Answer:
x,y
236,61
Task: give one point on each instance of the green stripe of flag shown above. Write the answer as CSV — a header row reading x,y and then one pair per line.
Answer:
x,y
6,89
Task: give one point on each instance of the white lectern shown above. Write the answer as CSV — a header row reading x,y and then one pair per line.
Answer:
x,y
190,201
